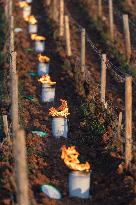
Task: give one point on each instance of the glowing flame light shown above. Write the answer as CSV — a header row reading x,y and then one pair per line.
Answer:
x,y
31,19
61,111
35,37
70,157
23,4
43,59
45,79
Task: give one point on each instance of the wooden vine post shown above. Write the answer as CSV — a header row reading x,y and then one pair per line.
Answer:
x,y
10,11
100,8
128,120
6,8
21,168
119,124
48,2
61,19
127,36
111,20
67,35
83,49
129,2
14,94
103,78
6,127
14,80
119,130
55,10
11,34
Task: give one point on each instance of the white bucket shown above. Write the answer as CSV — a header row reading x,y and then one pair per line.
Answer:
x,y
79,184
43,68
39,46
48,93
29,1
59,127
26,11
33,28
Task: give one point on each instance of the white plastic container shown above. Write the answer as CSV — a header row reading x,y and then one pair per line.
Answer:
x,y
59,127
48,93
39,46
33,28
43,68
29,1
26,11
79,184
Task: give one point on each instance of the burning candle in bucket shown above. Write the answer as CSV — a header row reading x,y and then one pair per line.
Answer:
x,y
43,65
79,178
26,8
39,42
48,89
32,27
59,121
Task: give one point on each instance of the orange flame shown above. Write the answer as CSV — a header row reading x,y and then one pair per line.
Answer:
x,y
35,37
43,59
61,111
45,79
31,19
23,4
70,157
26,18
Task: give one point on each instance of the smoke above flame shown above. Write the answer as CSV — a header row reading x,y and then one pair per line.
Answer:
x,y
61,111
35,37
43,59
45,79
70,157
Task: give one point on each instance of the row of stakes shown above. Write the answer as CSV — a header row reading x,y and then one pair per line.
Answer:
x,y
79,177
